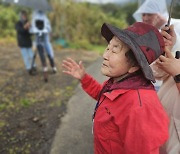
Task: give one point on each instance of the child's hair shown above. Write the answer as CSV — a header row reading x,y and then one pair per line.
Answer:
x,y
131,58
129,54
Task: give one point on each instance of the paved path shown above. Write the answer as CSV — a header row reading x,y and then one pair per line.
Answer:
x,y
75,133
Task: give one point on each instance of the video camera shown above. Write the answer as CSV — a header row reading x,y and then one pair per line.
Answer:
x,y
39,24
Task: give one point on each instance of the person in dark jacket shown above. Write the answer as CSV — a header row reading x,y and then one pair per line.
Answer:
x,y
25,42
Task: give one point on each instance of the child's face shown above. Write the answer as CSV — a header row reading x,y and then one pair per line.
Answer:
x,y
115,63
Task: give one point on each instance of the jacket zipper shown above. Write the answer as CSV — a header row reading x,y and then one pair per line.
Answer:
x,y
139,98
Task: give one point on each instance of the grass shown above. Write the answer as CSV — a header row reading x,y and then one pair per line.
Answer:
x,y
7,40
2,123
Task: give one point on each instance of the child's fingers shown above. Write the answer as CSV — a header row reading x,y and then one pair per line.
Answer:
x,y
67,72
72,61
66,67
68,63
81,65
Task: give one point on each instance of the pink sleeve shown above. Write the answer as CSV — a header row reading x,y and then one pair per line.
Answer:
x,y
91,86
158,73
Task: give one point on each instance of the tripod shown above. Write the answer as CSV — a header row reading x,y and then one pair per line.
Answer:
x,y
41,51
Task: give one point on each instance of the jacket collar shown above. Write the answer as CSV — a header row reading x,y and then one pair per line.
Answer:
x,y
131,82
112,95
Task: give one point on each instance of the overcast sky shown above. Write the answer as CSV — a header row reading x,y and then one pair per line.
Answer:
x,y
103,1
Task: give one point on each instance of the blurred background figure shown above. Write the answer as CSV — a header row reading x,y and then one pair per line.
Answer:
x,y
156,13
41,27
25,42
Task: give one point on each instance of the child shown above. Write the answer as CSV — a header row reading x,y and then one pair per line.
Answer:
x,y
128,118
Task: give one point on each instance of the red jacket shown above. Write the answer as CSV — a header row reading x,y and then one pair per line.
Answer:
x,y
127,121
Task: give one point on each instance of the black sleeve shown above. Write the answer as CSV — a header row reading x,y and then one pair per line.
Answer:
x,y
20,28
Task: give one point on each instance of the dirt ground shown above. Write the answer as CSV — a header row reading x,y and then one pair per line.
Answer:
x,y
30,109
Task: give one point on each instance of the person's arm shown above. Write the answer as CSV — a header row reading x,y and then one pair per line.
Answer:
x,y
170,40
20,28
89,84
168,63
171,65
27,26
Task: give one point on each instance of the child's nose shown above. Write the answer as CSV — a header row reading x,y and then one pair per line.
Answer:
x,y
106,54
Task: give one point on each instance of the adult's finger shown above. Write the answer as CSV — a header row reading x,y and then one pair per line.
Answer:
x,y
172,32
168,53
166,35
168,42
162,59
165,28
159,63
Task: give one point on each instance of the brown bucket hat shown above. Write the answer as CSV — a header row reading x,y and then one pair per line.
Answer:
x,y
144,40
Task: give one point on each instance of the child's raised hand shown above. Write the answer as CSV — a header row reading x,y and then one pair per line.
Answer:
x,y
74,69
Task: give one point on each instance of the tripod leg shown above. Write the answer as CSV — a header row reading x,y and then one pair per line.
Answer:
x,y
33,70
42,56
43,61
45,74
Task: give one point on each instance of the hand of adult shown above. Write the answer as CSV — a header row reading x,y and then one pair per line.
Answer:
x,y
169,38
74,69
27,25
168,63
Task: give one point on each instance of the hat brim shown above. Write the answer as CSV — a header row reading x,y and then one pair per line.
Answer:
x,y
108,31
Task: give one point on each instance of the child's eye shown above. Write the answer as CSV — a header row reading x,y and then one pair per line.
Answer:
x,y
113,51
107,49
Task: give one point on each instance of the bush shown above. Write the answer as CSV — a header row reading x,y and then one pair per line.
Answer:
x,y
80,23
8,18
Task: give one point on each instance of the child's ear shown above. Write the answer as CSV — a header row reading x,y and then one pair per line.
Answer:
x,y
133,69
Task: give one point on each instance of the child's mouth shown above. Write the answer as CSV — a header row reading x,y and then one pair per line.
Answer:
x,y
104,65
